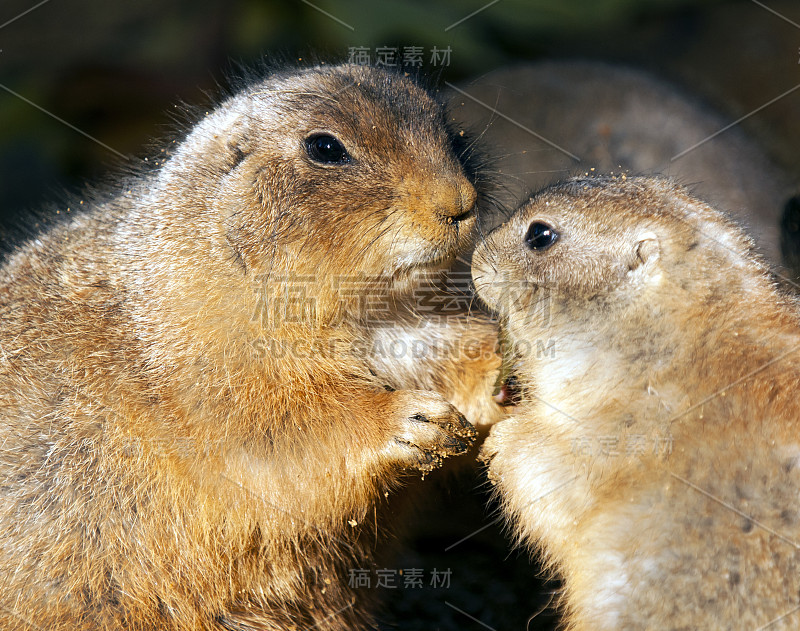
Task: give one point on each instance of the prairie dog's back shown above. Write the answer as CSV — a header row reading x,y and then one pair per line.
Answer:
x,y
654,458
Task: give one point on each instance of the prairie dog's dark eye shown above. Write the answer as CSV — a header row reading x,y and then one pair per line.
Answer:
x,y
326,149
540,236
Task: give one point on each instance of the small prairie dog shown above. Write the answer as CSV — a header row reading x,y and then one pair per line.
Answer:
x,y
654,459
193,436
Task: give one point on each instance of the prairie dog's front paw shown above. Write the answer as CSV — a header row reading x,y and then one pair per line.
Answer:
x,y
428,430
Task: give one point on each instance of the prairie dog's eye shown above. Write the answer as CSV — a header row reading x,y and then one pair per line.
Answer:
x,y
326,149
540,236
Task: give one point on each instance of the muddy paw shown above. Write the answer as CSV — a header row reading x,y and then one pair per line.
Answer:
x,y
429,430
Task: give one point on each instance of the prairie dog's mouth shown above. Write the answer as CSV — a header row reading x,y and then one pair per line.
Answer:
x,y
457,219
426,258
409,273
508,391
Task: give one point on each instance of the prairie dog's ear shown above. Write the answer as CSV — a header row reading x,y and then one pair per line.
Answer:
x,y
647,249
237,141
224,138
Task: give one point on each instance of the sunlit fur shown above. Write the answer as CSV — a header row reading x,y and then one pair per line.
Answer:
x,y
670,334
192,434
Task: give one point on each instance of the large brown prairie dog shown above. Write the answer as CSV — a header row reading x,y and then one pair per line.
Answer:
x,y
190,437
653,460
616,118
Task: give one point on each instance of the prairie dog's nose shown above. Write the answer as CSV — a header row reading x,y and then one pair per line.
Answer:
x,y
456,199
449,197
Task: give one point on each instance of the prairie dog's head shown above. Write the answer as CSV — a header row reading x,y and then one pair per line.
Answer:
x,y
603,244
334,170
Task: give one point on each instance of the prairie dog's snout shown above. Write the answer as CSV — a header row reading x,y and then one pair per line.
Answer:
x,y
499,261
444,196
455,199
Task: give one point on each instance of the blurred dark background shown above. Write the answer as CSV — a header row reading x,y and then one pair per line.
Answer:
x,y
87,86
115,70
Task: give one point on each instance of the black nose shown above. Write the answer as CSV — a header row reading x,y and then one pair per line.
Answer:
x,y
540,236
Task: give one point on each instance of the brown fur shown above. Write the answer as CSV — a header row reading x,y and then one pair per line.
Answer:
x,y
670,335
195,424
